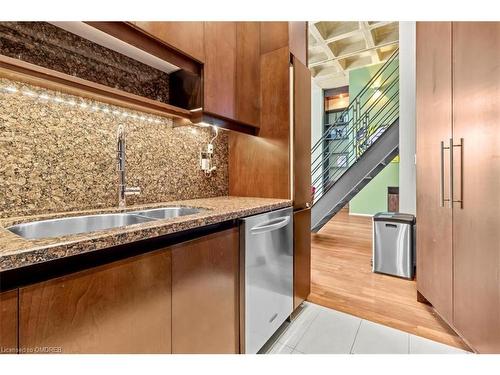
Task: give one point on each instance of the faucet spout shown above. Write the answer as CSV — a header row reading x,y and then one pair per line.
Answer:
x,y
123,190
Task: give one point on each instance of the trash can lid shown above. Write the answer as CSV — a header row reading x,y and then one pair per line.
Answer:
x,y
395,217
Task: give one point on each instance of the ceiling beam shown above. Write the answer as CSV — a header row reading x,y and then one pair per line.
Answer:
x,y
370,43
330,56
332,70
351,54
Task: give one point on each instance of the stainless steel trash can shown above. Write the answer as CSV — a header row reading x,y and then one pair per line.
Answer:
x,y
394,244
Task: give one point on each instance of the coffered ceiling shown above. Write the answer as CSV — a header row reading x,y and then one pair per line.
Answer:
x,y
335,47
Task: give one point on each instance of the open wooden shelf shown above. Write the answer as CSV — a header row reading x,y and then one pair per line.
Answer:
x,y
36,75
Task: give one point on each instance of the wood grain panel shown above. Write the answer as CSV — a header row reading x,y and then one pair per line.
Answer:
x,y
122,307
186,37
274,35
476,234
259,166
434,119
205,284
301,256
297,35
301,135
342,279
8,322
219,72
247,94
130,33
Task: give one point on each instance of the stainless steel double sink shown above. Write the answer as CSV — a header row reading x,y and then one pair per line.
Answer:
x,y
91,223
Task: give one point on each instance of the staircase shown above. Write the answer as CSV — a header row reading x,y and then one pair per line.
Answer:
x,y
357,146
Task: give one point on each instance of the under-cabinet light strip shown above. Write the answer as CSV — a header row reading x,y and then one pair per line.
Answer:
x,y
11,89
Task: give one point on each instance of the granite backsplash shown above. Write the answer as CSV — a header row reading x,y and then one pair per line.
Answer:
x,y
58,153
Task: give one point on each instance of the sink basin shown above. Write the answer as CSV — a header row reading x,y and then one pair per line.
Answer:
x,y
75,225
168,212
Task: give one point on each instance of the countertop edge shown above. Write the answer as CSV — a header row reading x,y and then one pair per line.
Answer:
x,y
45,253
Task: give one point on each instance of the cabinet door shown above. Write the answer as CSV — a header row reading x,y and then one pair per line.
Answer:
x,y
247,95
186,37
301,134
476,234
122,307
301,256
8,322
219,71
434,124
205,312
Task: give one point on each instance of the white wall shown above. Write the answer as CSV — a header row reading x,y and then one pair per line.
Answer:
x,y
407,135
316,123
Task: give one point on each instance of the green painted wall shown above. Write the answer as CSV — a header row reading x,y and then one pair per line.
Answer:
x,y
373,197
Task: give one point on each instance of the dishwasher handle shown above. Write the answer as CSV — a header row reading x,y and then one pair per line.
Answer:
x,y
270,225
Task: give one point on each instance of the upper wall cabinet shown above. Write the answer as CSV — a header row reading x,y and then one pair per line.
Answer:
x,y
275,35
219,71
232,71
248,72
230,53
186,37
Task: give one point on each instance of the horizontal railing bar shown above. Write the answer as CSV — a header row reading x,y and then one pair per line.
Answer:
x,y
365,89
336,175
360,118
352,129
389,115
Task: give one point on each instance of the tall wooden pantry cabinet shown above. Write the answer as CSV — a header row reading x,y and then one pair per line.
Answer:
x,y
458,176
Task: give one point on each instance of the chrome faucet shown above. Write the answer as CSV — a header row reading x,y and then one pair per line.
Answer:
x,y
123,190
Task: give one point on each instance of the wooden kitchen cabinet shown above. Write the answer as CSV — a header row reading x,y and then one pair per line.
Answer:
x,y
260,166
8,322
186,37
183,298
247,94
230,53
205,288
476,222
293,35
301,256
277,163
434,114
121,307
458,242
219,70
231,73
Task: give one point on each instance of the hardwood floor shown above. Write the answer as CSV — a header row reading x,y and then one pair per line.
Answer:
x,y
341,278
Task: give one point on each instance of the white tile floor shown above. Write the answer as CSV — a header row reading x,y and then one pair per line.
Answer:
x,y
319,330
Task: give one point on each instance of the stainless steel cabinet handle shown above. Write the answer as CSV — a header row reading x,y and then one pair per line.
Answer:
x,y
442,198
441,177
461,200
450,147
270,225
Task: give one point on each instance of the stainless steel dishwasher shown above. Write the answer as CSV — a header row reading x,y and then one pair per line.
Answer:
x,y
266,265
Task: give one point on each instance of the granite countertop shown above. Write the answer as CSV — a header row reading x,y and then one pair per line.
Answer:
x,y
16,252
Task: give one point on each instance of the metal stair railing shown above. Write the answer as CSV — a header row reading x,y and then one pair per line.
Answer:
x,y
368,115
